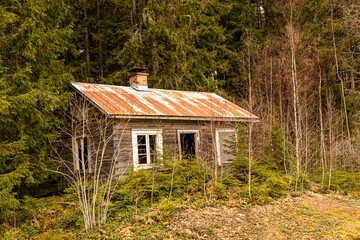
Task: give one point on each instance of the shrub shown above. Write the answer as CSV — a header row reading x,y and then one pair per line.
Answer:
x,y
70,220
346,181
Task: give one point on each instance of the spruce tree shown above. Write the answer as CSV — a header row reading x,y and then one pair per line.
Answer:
x,y
33,79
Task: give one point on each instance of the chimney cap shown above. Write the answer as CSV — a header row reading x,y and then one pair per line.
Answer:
x,y
138,69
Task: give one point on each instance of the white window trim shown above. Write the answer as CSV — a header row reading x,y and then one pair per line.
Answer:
x,y
218,144
197,140
76,159
159,146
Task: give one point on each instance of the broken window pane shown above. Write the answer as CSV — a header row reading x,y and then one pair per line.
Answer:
x,y
226,140
141,139
146,146
152,139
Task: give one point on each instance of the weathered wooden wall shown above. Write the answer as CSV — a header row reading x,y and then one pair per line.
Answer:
x,y
123,135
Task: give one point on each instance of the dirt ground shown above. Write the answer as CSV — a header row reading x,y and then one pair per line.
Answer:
x,y
310,216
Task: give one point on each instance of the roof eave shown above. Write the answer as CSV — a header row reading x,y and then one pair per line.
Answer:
x,y
224,119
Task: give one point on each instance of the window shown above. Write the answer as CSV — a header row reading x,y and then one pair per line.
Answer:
x,y
224,137
81,153
146,145
188,142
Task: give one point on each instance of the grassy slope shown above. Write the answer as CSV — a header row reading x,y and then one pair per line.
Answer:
x,y
309,216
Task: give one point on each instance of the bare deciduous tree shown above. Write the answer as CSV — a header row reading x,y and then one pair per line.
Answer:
x,y
292,39
92,170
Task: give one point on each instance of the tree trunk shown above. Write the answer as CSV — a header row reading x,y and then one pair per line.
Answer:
x,y
99,41
250,124
330,122
133,12
87,54
272,112
322,138
352,80
339,76
155,61
295,103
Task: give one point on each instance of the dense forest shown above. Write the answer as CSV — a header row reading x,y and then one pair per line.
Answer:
x,y
293,63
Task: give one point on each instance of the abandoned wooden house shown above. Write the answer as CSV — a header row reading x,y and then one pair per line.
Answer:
x,y
142,123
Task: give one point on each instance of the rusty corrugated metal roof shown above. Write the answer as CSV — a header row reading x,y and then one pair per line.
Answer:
x,y
118,101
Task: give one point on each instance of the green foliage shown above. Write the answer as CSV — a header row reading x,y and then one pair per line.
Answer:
x,y
193,175
269,183
182,45
29,230
170,178
71,220
33,80
238,169
220,191
268,173
344,181
277,151
134,189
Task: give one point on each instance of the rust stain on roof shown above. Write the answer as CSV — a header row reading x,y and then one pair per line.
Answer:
x,y
126,101
162,107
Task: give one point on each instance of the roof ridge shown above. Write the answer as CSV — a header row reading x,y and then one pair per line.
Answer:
x,y
156,89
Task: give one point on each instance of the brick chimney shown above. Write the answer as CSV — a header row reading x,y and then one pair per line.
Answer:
x,y
138,79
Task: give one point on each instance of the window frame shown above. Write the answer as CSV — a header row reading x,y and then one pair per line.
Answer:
x,y
218,144
159,146
197,140
76,159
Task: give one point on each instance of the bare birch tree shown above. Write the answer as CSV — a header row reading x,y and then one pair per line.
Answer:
x,y
330,118
92,171
322,137
295,92
250,153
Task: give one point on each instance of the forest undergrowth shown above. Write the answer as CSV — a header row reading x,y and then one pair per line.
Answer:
x,y
302,216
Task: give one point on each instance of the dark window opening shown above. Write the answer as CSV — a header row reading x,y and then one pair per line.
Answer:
x,y
141,139
83,153
187,144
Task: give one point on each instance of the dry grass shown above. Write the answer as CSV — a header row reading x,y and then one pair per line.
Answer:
x,y
310,216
